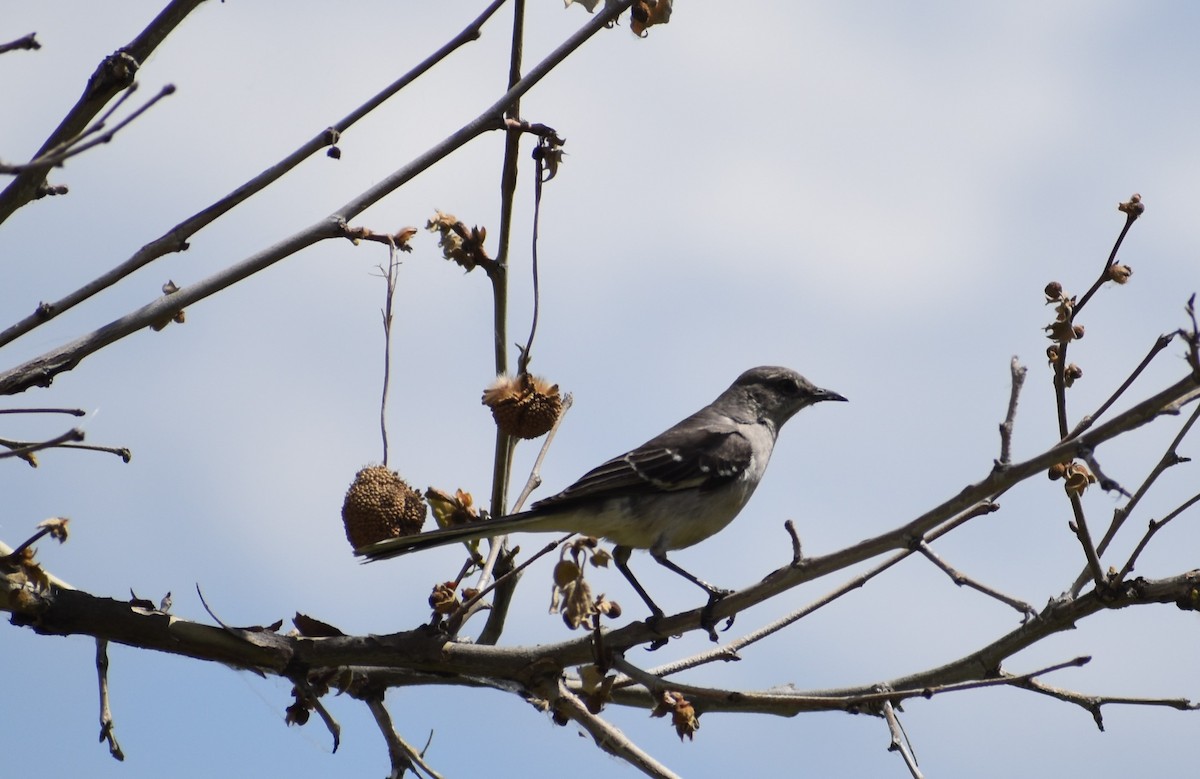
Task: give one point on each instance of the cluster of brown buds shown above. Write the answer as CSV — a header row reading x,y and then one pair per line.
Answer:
x,y
459,244
683,714
1076,476
445,601
1062,330
572,595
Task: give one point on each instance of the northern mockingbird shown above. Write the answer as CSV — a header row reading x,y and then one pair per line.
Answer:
x,y
673,491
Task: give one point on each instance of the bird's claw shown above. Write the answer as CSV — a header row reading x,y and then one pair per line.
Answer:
x,y
715,595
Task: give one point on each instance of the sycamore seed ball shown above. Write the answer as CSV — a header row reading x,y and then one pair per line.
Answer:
x,y
380,505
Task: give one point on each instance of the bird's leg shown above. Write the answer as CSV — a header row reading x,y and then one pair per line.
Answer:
x,y
621,558
714,593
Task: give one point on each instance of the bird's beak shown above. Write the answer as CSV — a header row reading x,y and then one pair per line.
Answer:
x,y
824,394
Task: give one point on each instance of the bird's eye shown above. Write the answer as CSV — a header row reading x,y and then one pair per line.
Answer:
x,y
786,385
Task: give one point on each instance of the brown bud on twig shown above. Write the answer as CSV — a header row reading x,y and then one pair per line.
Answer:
x,y
1077,477
1118,273
1134,207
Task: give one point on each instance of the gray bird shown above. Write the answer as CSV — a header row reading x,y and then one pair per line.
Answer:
x,y
673,491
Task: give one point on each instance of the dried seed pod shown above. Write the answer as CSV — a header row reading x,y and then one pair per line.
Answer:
x,y
380,505
524,406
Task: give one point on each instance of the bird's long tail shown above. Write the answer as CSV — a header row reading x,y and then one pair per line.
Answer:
x,y
528,521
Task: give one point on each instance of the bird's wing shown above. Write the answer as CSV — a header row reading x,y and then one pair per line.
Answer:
x,y
681,458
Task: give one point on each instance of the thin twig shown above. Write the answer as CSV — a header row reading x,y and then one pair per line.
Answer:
x,y
53,525
1087,421
532,483
1018,373
1131,216
23,449
797,550
1060,364
403,756
1080,527
28,42
962,580
462,613
1093,703
1169,458
899,740
538,180
567,705
74,146
107,726
75,412
335,729
1060,388
788,703
1153,528
535,473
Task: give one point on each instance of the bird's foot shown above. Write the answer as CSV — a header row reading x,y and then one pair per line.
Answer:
x,y
715,595
654,622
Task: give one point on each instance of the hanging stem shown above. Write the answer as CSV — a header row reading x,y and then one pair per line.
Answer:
x,y
387,342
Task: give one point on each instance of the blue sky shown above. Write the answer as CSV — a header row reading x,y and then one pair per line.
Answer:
x,y
873,194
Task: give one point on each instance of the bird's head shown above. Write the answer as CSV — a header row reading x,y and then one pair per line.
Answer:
x,y
774,394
